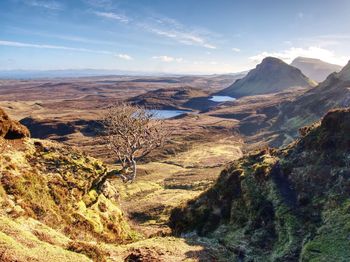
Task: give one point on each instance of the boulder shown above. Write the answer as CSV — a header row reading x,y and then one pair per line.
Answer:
x,y
11,129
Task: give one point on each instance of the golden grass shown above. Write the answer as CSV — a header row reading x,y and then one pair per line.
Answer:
x,y
29,240
162,186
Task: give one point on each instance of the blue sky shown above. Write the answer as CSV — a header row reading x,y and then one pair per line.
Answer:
x,y
182,36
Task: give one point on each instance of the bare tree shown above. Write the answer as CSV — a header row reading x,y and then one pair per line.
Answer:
x,y
132,132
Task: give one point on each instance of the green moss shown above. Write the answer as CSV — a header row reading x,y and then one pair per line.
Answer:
x,y
332,240
289,235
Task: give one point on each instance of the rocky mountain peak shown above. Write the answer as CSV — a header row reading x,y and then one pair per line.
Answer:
x,y
270,76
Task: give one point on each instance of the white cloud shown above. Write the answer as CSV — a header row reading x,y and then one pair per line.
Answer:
x,y
113,16
77,39
168,59
165,27
313,52
235,49
48,4
58,47
209,46
124,56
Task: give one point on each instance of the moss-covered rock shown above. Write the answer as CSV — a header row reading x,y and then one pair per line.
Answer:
x,y
281,205
53,184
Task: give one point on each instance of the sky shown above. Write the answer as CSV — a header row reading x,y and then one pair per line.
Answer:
x,y
168,36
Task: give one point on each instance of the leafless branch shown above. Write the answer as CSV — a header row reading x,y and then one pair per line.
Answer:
x,y
131,133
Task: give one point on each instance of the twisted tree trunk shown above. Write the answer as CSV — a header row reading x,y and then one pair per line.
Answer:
x,y
134,170
98,183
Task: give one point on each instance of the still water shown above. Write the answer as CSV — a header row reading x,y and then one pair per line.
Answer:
x,y
222,98
164,114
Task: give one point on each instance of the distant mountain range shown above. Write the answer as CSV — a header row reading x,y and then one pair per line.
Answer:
x,y
71,73
270,76
315,69
32,74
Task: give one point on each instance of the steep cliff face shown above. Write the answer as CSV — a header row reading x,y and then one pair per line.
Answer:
x,y
281,205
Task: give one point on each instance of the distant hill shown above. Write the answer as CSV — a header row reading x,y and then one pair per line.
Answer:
x,y
315,69
270,76
172,98
332,93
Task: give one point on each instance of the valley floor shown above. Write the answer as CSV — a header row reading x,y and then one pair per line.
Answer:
x,y
166,184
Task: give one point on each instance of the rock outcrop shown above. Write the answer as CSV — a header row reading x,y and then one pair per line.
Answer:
x,y
11,129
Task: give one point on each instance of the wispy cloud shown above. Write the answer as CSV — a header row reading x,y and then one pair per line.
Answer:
x,y
313,52
58,47
71,38
113,16
80,39
124,56
163,27
235,49
172,29
168,59
48,4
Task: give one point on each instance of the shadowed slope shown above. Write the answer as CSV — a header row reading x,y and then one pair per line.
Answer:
x,y
281,205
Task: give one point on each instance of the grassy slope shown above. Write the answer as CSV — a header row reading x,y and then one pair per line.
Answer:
x,y
49,186
48,207
281,205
